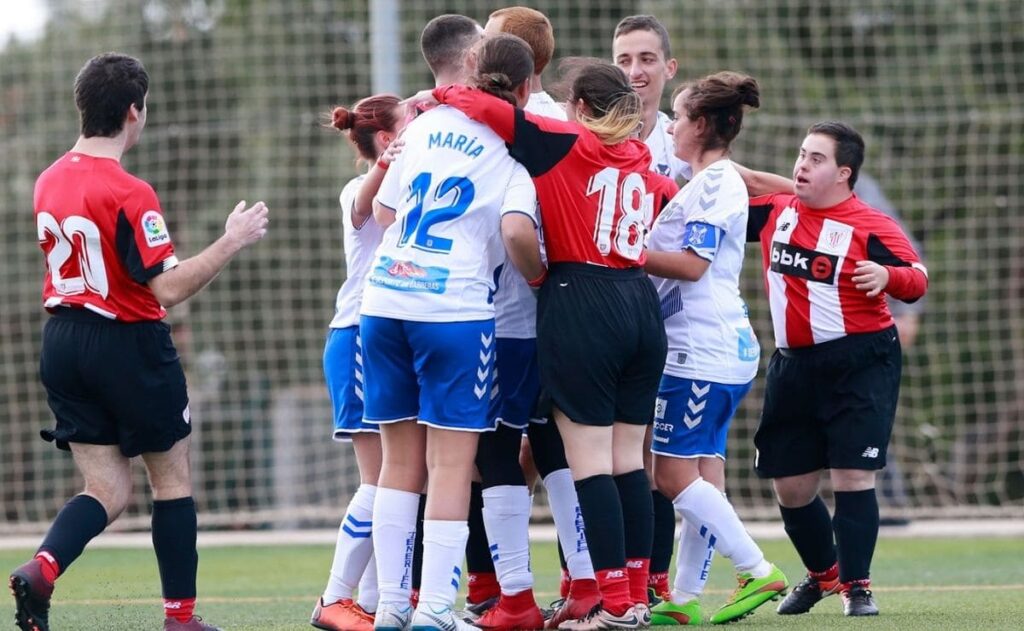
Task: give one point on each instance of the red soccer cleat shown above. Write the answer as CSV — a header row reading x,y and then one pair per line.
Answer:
x,y
195,623
513,613
584,596
31,597
341,615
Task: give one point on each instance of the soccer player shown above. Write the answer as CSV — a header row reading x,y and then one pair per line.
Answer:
x,y
829,261
111,271
370,125
695,255
519,383
428,332
595,194
640,46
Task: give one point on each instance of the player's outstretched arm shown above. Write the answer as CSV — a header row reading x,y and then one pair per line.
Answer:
x,y
243,227
763,183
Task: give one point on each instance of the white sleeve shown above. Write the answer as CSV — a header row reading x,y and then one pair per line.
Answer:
x,y
389,193
718,201
521,196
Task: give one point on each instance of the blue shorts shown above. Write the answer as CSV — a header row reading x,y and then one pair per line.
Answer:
x,y
343,371
438,372
517,382
691,418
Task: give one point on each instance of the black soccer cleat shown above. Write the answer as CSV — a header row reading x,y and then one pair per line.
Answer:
x,y
31,597
858,601
805,595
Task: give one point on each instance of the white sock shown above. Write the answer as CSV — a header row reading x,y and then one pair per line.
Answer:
x,y
354,547
368,594
693,564
507,520
394,536
565,509
444,545
708,511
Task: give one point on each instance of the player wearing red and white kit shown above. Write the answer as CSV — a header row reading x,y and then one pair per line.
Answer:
x,y
829,261
111,269
597,197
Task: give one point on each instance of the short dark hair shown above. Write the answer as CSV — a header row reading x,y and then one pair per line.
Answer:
x,y
645,23
105,88
849,145
445,40
504,63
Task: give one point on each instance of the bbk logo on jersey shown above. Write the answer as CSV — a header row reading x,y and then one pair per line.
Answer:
x,y
811,265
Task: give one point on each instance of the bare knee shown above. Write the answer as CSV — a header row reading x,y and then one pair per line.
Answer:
x,y
849,480
169,474
798,490
113,495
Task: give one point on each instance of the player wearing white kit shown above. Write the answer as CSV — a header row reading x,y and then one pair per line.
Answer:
x,y
429,339
370,126
695,257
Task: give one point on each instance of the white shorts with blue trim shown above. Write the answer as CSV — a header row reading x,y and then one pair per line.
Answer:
x,y
440,373
691,417
343,371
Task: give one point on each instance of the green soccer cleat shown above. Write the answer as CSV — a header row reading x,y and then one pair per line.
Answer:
x,y
668,614
750,594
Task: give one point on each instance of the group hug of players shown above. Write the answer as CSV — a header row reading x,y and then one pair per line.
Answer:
x,y
529,295
528,288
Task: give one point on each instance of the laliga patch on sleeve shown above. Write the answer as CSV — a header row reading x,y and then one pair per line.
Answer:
x,y
154,228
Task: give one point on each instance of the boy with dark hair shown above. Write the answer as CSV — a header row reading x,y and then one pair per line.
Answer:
x,y
111,270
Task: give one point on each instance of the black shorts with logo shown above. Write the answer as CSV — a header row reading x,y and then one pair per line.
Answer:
x,y
600,343
830,406
113,383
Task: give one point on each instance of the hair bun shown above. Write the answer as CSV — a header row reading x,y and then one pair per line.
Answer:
x,y
499,80
343,119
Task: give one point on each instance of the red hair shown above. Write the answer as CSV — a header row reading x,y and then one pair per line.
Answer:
x,y
366,118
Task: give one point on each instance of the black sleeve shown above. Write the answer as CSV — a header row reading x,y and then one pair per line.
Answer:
x,y
879,253
128,250
756,220
537,149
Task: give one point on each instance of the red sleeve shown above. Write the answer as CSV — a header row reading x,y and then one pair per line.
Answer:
x,y
889,246
538,142
143,241
761,208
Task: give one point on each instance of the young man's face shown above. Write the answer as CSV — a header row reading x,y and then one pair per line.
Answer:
x,y
815,173
639,54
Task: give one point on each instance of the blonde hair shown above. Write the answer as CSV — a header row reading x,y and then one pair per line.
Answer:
x,y
615,110
620,122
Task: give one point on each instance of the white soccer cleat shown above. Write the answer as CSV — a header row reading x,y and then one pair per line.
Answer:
x,y
427,618
391,617
600,619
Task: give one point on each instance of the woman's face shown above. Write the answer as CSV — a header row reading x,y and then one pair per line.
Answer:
x,y
685,132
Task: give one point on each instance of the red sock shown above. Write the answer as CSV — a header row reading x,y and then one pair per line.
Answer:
x,y
614,584
48,565
523,601
863,582
583,588
179,608
829,575
482,586
414,598
563,587
658,581
638,570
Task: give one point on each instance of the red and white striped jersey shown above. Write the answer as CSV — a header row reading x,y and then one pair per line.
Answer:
x,y
809,257
104,238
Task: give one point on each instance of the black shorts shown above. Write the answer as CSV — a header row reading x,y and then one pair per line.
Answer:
x,y
829,406
600,343
113,383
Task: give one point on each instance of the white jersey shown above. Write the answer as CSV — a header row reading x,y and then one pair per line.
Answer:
x,y
515,306
449,188
709,334
663,156
360,246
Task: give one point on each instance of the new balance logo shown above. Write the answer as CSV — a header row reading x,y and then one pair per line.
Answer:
x,y
870,452
635,564
612,574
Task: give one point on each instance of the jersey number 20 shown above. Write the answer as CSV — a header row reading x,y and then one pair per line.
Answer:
x,y
79,237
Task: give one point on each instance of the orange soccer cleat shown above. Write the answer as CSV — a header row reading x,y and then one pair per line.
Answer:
x,y
341,615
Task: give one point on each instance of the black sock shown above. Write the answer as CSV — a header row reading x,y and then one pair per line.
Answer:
x,y
478,552
856,528
602,513
174,541
637,513
561,556
664,533
810,529
417,546
81,519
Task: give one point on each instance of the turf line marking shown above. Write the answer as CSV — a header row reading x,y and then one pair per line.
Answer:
x,y
226,600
